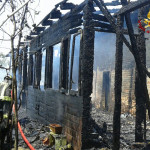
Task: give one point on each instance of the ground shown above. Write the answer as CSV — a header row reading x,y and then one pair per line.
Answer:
x,y
35,131
127,128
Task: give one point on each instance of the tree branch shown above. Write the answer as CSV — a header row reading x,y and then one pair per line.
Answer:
x,y
12,14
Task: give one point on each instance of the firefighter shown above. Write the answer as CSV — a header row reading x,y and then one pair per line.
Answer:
x,y
5,106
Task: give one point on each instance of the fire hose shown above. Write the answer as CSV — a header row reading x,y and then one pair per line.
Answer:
x,y
22,134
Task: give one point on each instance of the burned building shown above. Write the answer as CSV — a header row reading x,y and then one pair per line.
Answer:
x,y
77,60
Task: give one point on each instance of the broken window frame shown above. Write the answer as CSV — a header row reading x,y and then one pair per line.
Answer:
x,y
64,67
48,67
72,62
37,69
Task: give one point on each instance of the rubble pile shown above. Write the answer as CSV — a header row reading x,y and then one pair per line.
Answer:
x,y
34,131
127,128
101,137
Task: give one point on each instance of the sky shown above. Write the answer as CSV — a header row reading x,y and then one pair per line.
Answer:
x,y
38,8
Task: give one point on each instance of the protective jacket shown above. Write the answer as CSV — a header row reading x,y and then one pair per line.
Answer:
x,y
5,98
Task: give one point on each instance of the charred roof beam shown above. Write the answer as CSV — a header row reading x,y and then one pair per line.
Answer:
x,y
65,6
132,6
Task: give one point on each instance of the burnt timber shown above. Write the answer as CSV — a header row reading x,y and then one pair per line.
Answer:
x,y
65,105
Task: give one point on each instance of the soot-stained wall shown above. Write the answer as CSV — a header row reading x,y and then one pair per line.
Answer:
x,y
51,106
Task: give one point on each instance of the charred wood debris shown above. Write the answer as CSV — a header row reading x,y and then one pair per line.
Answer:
x,y
82,20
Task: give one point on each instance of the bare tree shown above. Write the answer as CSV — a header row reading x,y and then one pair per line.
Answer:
x,y
18,18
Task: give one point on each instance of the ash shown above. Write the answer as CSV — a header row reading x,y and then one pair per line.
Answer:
x,y
34,131
101,136
104,120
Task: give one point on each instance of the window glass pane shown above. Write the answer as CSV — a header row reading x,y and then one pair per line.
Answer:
x,y
56,66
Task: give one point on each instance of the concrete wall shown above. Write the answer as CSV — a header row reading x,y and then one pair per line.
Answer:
x,y
51,106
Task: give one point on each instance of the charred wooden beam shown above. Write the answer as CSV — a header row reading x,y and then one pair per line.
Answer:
x,y
24,83
75,17
100,17
65,6
55,14
118,83
111,20
132,6
87,69
80,64
72,60
49,67
100,24
139,64
39,29
30,70
124,31
38,65
64,64
28,38
103,30
54,34
73,31
34,33
20,67
140,100
47,23
113,3
110,11
74,11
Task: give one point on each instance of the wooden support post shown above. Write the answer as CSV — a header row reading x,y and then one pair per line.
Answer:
x,y
139,65
30,70
20,68
38,65
64,63
24,83
118,84
72,60
140,100
80,62
49,67
87,69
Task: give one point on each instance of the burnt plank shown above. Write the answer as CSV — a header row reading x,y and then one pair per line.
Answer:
x,y
25,67
65,6
55,14
102,25
54,34
132,6
49,32
100,17
47,23
49,67
118,83
73,31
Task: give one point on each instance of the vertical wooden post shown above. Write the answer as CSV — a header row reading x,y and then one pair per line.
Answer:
x,y
30,70
64,63
49,67
72,60
118,84
20,68
38,65
80,62
24,83
87,69
140,100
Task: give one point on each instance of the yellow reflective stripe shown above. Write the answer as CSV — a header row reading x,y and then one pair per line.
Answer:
x,y
5,116
5,98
